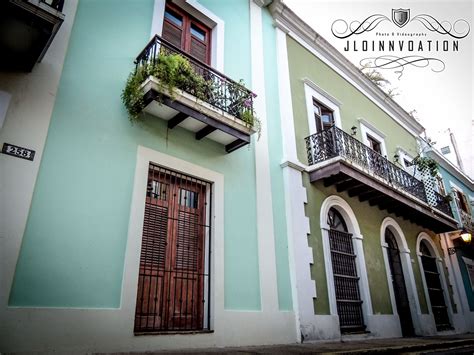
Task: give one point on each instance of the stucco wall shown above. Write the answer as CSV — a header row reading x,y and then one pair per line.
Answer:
x,y
75,237
354,105
370,219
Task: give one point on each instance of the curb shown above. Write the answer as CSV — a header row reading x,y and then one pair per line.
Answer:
x,y
411,347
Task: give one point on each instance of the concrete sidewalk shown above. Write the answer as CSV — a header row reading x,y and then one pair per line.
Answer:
x,y
446,344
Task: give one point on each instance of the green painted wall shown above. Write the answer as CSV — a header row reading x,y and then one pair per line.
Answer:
x,y
276,152
369,219
72,254
354,105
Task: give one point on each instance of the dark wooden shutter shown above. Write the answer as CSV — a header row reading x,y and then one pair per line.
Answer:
x,y
172,277
187,33
198,49
172,34
155,231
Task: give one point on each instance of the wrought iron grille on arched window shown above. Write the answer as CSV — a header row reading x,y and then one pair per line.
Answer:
x,y
435,289
346,280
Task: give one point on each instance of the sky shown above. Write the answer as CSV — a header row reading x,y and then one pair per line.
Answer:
x,y
440,90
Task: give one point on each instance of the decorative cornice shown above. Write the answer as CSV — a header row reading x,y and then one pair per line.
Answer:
x,y
285,17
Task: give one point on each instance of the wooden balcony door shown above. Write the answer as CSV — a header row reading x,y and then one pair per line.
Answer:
x,y
171,281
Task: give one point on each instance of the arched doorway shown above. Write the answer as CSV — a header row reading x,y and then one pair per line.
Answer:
x,y
346,280
399,286
434,286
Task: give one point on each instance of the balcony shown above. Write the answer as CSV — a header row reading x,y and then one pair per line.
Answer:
x,y
205,102
467,222
339,159
27,28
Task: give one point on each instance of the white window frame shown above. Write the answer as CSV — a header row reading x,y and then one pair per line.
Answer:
x,y
352,224
134,242
202,14
442,182
407,268
314,92
455,188
440,266
367,128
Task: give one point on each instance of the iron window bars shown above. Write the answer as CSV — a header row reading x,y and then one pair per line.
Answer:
x,y
174,277
346,280
435,290
335,142
219,90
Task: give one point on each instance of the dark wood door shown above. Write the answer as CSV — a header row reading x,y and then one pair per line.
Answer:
x,y
399,287
171,279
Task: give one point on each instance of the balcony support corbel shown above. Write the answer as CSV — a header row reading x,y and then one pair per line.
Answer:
x,y
204,132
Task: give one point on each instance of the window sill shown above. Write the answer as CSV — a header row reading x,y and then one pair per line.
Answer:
x,y
175,332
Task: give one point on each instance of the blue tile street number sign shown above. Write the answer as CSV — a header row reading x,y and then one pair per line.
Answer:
x,y
18,152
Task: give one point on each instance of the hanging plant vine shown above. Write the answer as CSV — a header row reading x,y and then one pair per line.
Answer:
x,y
174,71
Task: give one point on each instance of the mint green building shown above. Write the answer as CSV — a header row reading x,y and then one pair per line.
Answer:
x,y
207,173
173,224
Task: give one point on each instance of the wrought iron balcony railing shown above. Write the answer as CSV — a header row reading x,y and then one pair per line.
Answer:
x,y
466,220
219,90
334,142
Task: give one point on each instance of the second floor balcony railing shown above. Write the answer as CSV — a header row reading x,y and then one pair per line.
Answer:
x,y
216,88
466,220
334,142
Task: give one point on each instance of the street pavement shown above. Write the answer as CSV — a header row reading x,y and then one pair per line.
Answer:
x,y
455,344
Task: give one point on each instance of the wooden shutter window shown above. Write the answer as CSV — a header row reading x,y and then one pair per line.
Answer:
x,y
187,33
173,26
199,42
173,281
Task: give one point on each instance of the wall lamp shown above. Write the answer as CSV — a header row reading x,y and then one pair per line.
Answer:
x,y
353,130
466,237
396,157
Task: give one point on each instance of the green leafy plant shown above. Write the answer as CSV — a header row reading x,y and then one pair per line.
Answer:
x,y
448,198
425,163
174,71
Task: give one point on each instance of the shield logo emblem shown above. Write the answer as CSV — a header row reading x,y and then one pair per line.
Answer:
x,y
400,17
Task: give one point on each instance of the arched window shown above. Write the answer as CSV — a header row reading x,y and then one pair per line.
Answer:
x,y
435,289
346,280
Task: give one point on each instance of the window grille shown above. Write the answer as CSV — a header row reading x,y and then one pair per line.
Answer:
x,y
435,290
174,283
346,280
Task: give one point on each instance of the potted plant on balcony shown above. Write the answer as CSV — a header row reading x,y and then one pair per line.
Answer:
x,y
173,71
424,164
